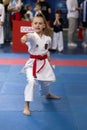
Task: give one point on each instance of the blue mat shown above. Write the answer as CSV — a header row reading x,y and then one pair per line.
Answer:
x,y
69,113
38,121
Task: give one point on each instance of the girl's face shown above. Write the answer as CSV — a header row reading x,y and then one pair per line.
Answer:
x,y
30,8
38,24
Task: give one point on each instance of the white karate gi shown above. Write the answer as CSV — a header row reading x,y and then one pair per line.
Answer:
x,y
38,46
58,41
2,15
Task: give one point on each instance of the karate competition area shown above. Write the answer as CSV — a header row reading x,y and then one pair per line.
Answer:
x,y
68,113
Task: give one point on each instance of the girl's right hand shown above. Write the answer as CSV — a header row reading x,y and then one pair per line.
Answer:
x,y
24,39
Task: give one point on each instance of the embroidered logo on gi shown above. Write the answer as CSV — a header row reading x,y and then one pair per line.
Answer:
x,y
36,45
46,46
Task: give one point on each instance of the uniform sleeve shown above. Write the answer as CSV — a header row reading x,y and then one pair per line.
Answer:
x,y
30,39
70,6
29,36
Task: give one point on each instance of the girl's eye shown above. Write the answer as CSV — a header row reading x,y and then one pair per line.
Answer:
x,y
40,23
35,23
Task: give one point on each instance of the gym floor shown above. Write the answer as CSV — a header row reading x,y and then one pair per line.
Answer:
x,y
68,113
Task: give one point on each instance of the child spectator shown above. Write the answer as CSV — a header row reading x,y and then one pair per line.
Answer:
x,y
37,9
57,43
29,12
84,21
25,16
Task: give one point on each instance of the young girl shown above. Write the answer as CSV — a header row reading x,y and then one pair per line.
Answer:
x,y
38,66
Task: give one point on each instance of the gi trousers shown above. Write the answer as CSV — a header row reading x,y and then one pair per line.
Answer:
x,y
32,83
57,43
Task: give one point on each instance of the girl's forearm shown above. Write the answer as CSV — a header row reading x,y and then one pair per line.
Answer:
x,y
24,39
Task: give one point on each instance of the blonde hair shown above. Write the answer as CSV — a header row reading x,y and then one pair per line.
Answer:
x,y
40,15
47,30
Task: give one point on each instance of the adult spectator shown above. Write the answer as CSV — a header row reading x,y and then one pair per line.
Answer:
x,y
2,15
15,6
7,25
84,21
72,15
37,9
46,10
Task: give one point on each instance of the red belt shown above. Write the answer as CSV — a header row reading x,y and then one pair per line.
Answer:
x,y
39,57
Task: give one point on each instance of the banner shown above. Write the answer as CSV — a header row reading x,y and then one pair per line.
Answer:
x,y
19,29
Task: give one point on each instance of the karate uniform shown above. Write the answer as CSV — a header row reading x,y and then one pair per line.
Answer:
x,y
38,47
2,15
58,36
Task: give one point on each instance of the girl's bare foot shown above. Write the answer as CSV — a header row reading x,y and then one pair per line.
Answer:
x,y
26,109
52,96
26,112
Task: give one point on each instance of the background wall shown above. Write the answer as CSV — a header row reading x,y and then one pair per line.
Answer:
x,y
54,4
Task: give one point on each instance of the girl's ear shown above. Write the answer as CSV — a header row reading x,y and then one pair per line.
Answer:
x,y
32,23
44,26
